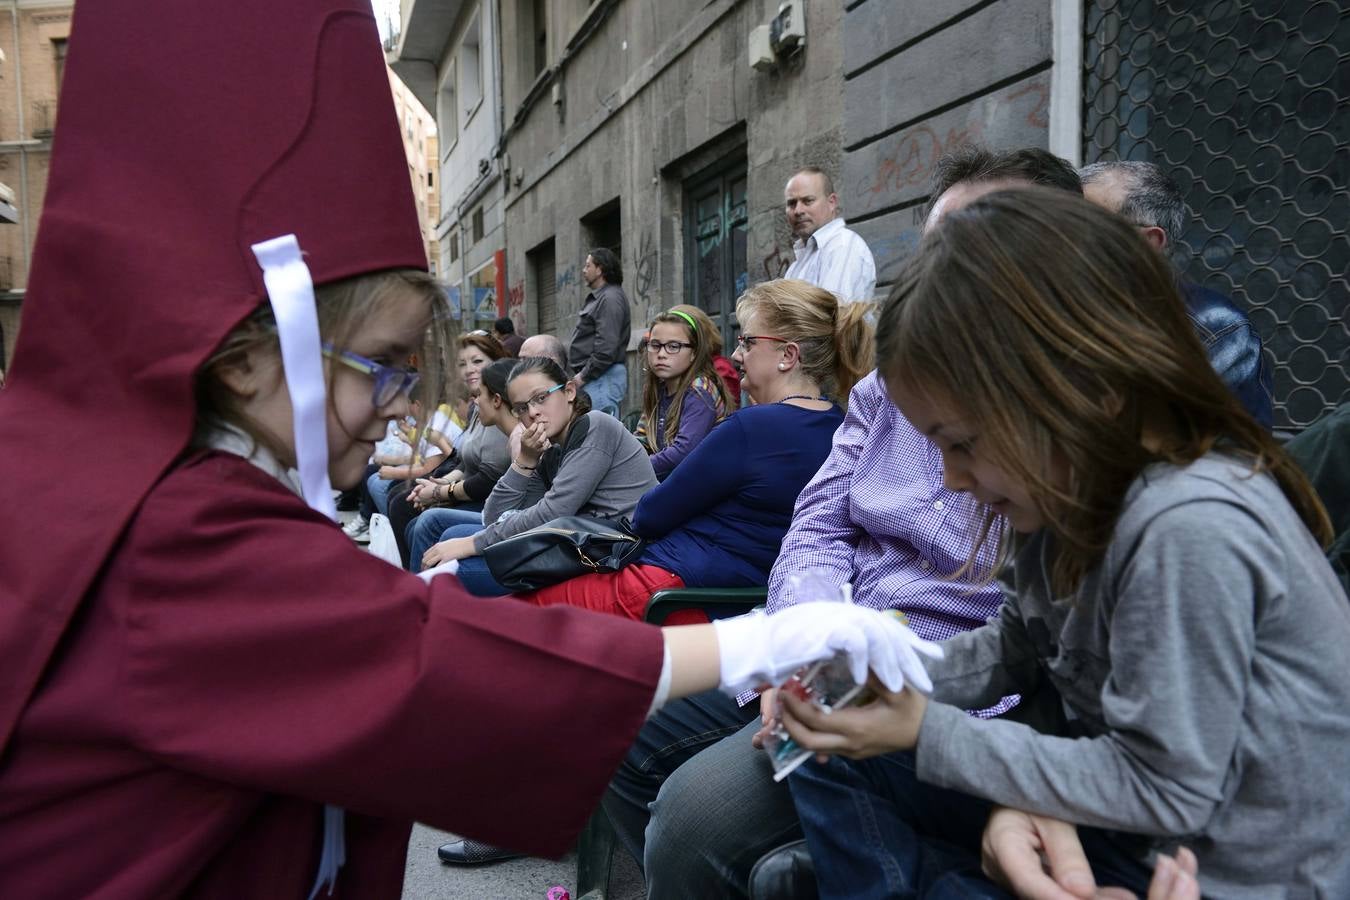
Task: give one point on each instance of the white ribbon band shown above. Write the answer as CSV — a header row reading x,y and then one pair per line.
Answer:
x,y
291,290
292,293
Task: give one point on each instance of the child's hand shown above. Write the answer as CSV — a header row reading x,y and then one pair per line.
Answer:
x,y
768,714
889,723
1041,858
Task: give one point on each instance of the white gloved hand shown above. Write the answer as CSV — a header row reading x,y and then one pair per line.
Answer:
x,y
757,649
449,567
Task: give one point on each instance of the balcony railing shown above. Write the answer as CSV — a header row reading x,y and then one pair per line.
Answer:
x,y
43,119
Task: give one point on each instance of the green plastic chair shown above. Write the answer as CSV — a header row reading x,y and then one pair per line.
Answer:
x,y
595,847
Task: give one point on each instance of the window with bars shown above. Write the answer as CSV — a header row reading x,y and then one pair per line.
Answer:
x,y
716,221
1247,105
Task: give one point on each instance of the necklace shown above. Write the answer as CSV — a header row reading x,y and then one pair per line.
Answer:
x,y
803,397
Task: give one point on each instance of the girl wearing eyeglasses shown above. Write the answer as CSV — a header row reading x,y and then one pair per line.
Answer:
x,y
572,461
682,395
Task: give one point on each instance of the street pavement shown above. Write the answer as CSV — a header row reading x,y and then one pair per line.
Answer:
x,y
427,878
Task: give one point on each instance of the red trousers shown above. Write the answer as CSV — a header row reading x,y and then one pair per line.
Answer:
x,y
622,593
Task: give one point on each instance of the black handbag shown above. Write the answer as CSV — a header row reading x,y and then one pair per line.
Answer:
x,y
561,549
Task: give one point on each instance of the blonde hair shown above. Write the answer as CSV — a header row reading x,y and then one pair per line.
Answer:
x,y
835,340
1057,332
343,308
700,371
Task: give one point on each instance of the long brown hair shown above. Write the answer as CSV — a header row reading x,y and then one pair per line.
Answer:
x,y
1058,332
701,367
835,339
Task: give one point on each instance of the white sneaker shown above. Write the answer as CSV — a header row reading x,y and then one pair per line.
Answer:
x,y
358,529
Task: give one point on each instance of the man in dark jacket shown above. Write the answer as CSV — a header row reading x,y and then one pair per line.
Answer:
x,y
600,339
1147,196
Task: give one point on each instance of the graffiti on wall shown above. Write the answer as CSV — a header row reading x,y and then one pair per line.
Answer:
x,y
567,279
515,306
914,154
646,268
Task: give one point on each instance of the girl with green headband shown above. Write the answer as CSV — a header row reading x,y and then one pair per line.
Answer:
x,y
682,396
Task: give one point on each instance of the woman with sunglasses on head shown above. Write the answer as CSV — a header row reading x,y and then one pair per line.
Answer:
x,y
682,395
572,461
719,519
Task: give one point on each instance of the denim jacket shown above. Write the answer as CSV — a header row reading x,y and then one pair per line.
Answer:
x,y
1233,347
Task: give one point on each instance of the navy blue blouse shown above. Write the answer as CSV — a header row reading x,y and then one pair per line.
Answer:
x,y
719,517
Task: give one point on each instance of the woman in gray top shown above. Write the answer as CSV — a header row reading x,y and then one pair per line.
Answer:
x,y
1170,619
572,461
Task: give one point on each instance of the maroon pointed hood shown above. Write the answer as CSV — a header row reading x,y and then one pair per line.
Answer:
x,y
188,132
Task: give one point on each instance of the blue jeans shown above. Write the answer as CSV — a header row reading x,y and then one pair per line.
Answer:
x,y
875,830
379,491
428,527
607,391
670,738
473,571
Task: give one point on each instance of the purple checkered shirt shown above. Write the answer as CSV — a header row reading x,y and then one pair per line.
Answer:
x,y
876,514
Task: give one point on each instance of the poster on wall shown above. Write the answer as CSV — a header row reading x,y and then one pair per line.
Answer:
x,y
483,284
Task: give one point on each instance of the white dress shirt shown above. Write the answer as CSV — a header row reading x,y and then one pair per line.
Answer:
x,y
836,259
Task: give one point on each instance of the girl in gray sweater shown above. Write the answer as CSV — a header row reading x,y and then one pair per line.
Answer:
x,y
572,461
1171,621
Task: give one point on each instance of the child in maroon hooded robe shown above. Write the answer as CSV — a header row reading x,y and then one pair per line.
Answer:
x,y
198,671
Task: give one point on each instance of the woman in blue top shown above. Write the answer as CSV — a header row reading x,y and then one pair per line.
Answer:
x,y
719,518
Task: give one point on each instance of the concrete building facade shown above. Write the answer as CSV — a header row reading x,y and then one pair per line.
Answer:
x,y
420,146
448,53
644,127
33,36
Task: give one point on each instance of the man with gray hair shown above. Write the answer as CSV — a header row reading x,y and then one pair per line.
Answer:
x,y
1143,193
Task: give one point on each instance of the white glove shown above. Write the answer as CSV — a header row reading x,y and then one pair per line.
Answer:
x,y
449,567
758,649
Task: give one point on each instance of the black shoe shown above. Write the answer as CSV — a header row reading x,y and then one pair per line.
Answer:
x,y
473,853
784,874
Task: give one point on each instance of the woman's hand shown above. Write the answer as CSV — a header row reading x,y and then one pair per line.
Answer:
x,y
533,442
889,723
393,473
455,548
424,492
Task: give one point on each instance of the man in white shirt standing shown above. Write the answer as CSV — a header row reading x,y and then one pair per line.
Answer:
x,y
827,254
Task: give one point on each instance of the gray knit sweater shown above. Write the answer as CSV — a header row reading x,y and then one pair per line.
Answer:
x,y
1202,679
601,471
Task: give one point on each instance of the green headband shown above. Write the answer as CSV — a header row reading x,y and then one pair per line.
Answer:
x,y
684,315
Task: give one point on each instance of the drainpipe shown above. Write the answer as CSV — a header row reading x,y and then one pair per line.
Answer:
x,y
24,214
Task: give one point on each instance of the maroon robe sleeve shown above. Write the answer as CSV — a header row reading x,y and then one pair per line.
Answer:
x,y
265,650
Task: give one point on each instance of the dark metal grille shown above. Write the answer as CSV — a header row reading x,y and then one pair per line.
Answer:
x,y
1247,104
